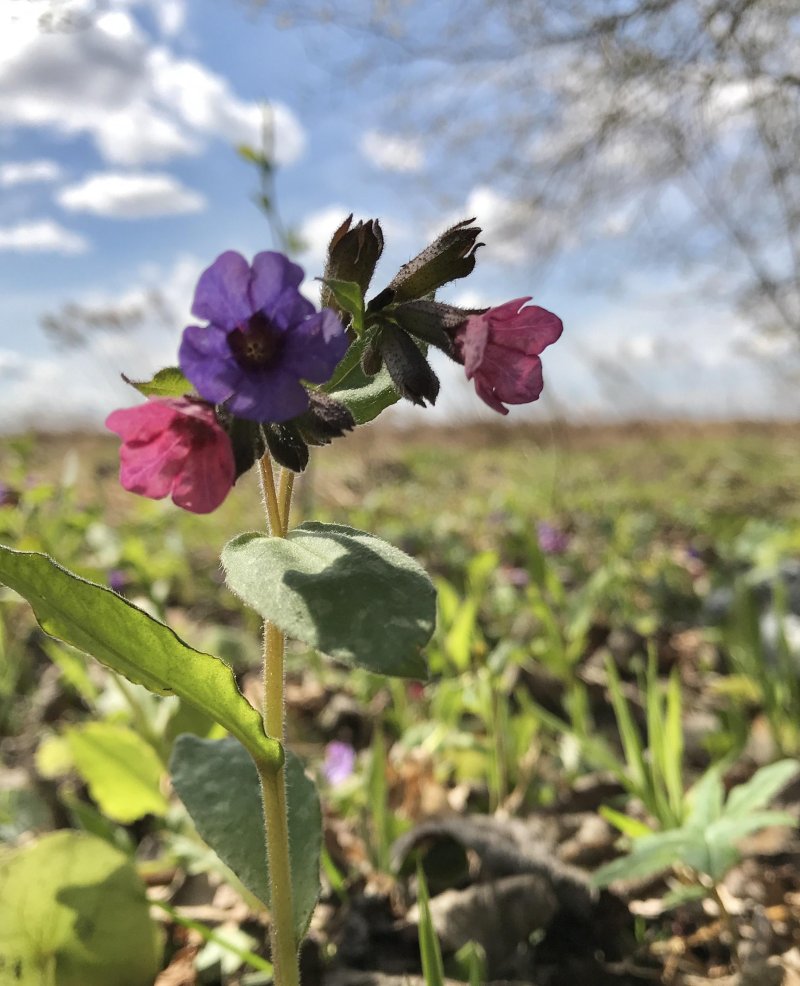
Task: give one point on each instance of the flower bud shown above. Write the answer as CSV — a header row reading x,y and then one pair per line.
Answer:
x,y
286,446
247,440
450,256
371,358
324,420
408,368
432,322
352,255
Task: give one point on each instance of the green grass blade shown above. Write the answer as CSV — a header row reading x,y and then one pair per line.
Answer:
x,y
429,950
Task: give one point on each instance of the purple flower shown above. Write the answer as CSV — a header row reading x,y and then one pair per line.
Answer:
x,y
117,580
8,497
263,339
340,759
552,541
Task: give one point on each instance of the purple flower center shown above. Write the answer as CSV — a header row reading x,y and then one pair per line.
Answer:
x,y
256,344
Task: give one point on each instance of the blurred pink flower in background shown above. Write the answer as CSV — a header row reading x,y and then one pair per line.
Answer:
x,y
552,540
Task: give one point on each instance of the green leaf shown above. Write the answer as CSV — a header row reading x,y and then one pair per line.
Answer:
x,y
632,827
761,787
673,745
218,783
732,829
364,396
378,795
169,382
341,591
73,912
349,298
705,799
122,770
650,855
118,634
253,156
629,735
429,949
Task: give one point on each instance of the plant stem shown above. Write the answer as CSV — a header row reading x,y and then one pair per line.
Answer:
x,y
284,946
273,783
729,924
285,487
274,520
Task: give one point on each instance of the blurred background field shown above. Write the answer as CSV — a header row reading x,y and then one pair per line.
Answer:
x,y
576,567
600,777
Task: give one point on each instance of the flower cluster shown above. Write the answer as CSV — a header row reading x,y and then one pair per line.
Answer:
x,y
267,372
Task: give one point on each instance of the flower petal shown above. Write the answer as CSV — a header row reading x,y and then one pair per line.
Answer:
x,y
290,308
208,472
486,394
149,468
473,338
271,395
207,361
222,294
529,332
514,381
140,423
271,275
315,347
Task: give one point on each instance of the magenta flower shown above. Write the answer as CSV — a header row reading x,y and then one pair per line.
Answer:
x,y
262,340
552,540
500,351
175,446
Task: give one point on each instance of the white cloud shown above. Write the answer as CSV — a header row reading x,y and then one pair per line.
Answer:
x,y
140,103
391,152
82,386
170,15
131,195
316,231
26,172
41,236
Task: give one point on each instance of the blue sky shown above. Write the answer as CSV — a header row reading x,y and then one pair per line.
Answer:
x,y
118,175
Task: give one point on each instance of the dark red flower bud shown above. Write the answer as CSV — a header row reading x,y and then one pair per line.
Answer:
x,y
408,368
286,446
325,419
450,256
433,322
352,255
371,358
247,440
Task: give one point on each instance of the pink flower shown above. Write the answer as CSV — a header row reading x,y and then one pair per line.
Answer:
x,y
175,445
500,351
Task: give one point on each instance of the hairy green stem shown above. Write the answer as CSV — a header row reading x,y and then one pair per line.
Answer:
x,y
273,783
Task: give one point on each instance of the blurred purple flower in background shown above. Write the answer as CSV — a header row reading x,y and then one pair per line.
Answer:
x,y
552,540
340,759
117,580
8,497
516,576
262,340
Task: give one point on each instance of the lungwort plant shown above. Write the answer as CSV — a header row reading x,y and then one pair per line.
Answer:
x,y
262,377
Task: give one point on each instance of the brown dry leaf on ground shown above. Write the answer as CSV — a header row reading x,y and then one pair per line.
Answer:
x,y
180,971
